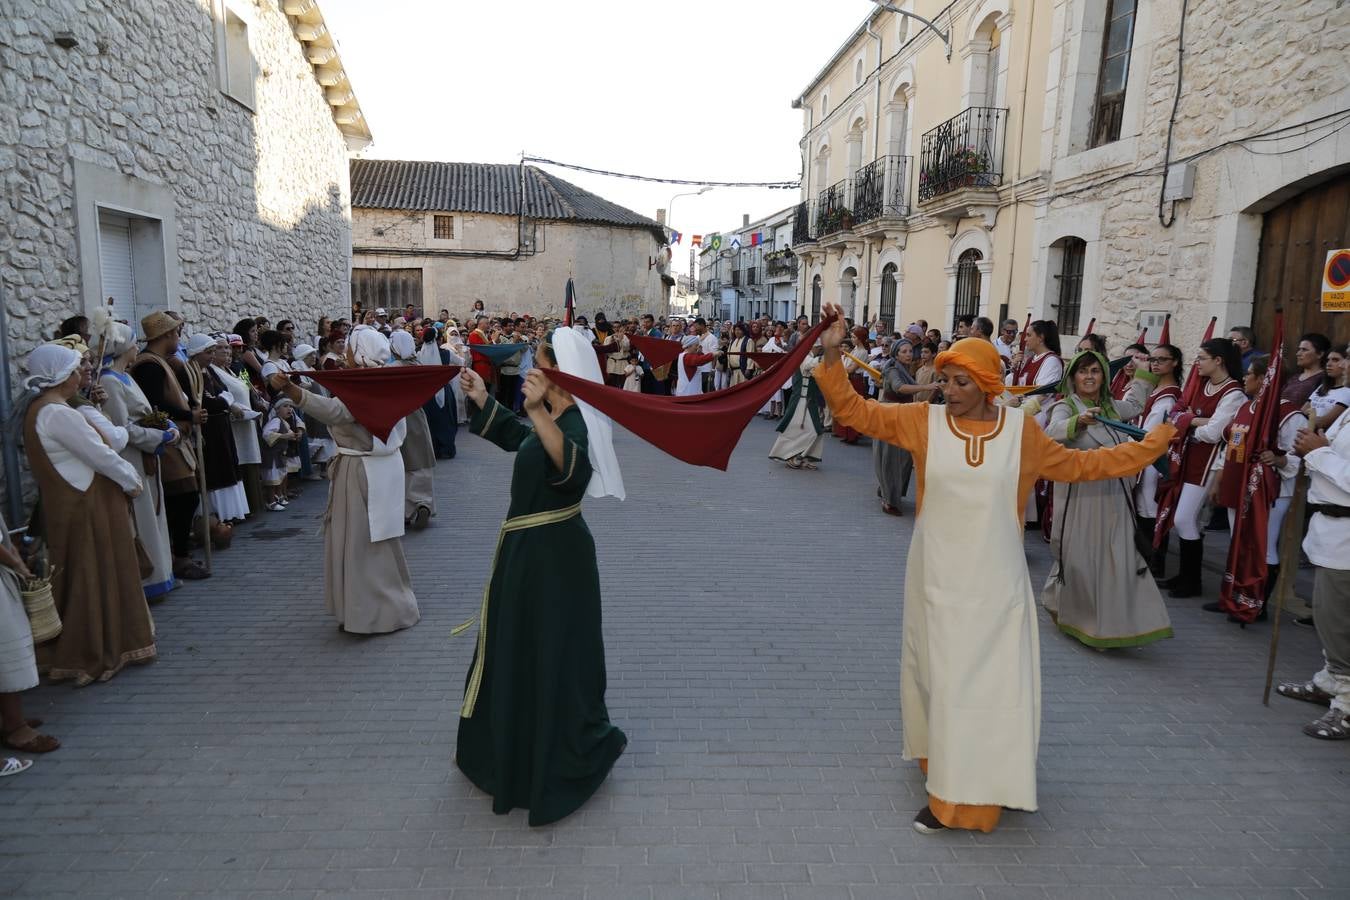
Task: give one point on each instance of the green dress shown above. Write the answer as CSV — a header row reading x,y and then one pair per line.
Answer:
x,y
534,731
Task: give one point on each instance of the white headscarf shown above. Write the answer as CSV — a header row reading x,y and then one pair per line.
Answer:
x,y
403,348
576,356
369,348
50,365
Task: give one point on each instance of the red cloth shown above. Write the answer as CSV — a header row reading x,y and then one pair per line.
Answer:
x,y
701,430
658,352
380,398
481,364
765,361
693,360
1244,581
1170,491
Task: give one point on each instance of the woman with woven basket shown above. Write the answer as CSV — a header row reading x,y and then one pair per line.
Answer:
x,y
18,666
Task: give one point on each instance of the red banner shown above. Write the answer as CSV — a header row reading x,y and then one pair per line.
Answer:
x,y
1170,492
380,398
659,352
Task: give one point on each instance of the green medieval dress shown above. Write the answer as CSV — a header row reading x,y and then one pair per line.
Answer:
x,y
534,731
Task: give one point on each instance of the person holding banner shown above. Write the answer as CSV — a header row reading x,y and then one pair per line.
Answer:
x,y
1212,409
970,660
1099,591
534,731
367,585
1165,364
801,433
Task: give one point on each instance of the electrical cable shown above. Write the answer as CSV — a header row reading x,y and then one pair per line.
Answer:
x,y
775,185
1171,216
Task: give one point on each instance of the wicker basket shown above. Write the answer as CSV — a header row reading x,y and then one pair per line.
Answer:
x,y
40,605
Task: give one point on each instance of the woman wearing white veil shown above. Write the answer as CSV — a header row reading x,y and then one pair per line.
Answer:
x,y
534,731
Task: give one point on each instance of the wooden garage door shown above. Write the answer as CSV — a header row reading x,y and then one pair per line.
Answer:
x,y
391,289
1294,242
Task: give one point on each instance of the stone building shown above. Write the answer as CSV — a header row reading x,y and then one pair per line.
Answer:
x,y
1206,183
181,153
440,235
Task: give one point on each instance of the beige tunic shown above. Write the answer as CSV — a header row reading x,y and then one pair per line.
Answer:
x,y
419,465
367,586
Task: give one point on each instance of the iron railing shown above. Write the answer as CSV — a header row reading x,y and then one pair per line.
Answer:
x,y
964,151
780,266
801,224
881,189
735,277
832,212
752,275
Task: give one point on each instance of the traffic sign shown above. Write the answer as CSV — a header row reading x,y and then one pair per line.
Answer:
x,y
1336,282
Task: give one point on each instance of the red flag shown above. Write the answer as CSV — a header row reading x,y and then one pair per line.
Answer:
x,y
1170,492
696,241
1244,579
764,360
701,430
1143,335
569,301
1022,348
754,239
1166,336
659,352
379,398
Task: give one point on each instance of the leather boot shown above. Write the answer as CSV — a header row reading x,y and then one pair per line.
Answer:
x,y
1157,557
1272,576
1188,581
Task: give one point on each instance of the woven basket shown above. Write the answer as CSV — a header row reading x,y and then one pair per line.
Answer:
x,y
40,605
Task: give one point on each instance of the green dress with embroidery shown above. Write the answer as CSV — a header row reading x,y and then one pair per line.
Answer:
x,y
533,730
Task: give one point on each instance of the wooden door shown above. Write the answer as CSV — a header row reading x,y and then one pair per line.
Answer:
x,y
390,289
1295,239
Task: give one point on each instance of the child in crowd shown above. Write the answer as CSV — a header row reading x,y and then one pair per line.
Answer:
x,y
281,452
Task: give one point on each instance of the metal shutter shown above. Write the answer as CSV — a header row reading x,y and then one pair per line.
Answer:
x,y
114,258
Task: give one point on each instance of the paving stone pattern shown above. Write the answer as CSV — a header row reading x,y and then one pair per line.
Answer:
x,y
752,625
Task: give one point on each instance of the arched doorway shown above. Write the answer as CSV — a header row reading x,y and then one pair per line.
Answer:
x,y
1295,239
967,286
815,299
888,291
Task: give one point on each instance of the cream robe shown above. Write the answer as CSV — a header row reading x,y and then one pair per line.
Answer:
x,y
970,671
367,586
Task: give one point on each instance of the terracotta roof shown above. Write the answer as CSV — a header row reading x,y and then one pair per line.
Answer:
x,y
484,188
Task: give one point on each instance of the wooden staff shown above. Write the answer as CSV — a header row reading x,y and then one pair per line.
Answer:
x,y
205,496
1290,532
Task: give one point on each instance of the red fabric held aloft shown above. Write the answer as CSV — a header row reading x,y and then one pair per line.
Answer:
x,y
701,430
765,360
659,352
380,398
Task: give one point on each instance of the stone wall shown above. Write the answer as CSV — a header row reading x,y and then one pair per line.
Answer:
x,y
1248,69
608,264
259,198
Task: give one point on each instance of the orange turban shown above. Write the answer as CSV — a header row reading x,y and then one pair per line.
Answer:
x,y
980,359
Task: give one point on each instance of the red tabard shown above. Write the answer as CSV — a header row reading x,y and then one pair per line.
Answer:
x,y
1238,439
1199,456
1171,390
1028,374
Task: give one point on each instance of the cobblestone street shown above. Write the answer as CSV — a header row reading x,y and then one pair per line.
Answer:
x,y
752,624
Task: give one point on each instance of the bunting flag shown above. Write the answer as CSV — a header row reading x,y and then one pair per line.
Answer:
x,y
1170,491
715,242
756,238
380,398
569,302
675,236
497,353
701,430
659,352
1166,336
1244,580
696,241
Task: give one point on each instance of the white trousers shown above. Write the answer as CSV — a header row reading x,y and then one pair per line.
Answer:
x,y
1273,525
1186,521
1146,494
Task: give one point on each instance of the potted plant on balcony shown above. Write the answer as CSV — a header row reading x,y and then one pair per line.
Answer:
x,y
837,219
972,164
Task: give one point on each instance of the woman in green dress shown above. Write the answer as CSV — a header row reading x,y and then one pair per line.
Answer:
x,y
534,731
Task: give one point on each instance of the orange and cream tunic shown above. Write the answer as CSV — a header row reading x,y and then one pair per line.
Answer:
x,y
970,658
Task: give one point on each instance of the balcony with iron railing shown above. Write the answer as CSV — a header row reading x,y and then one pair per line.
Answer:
x,y
832,212
752,275
881,190
801,225
963,153
735,277
780,266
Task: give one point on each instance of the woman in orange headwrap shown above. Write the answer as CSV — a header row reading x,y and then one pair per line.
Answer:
x,y
970,661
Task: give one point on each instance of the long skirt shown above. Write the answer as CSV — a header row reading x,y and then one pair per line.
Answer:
x,y
18,665
152,528
443,427
893,466
367,586
1100,590
540,735
843,432
799,437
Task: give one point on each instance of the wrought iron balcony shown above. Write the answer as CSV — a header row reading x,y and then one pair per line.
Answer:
x,y
735,277
881,189
780,266
966,151
801,225
832,212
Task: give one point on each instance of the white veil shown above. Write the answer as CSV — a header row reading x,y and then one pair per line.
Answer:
x,y
576,356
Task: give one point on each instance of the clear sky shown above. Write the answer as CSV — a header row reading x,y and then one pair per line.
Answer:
x,y
681,90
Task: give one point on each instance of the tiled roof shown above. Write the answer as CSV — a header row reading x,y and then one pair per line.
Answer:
x,y
483,188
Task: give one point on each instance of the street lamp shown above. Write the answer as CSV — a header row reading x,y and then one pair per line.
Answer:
x,y
946,37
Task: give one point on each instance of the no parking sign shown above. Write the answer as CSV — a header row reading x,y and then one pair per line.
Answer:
x,y
1336,282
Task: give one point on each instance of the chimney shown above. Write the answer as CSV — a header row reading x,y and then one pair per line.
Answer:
x,y
745,220
661,217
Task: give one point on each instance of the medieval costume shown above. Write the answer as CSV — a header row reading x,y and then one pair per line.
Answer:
x,y
367,586
86,523
801,433
534,731
1099,590
244,413
229,502
689,368
739,364
970,661
18,664
127,407
893,465
440,409
1157,410
419,454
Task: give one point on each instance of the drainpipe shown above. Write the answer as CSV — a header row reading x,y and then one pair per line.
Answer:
x,y
8,447
876,112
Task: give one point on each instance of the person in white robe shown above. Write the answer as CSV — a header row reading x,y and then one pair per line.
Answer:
x,y
419,453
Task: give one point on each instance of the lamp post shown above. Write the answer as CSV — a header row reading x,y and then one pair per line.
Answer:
x,y
670,223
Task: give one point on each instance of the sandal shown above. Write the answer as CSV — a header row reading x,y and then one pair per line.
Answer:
x,y
1333,726
34,743
12,766
810,465
190,570
1304,690
793,464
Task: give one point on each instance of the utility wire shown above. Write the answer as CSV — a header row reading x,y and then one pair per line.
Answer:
x,y
776,185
